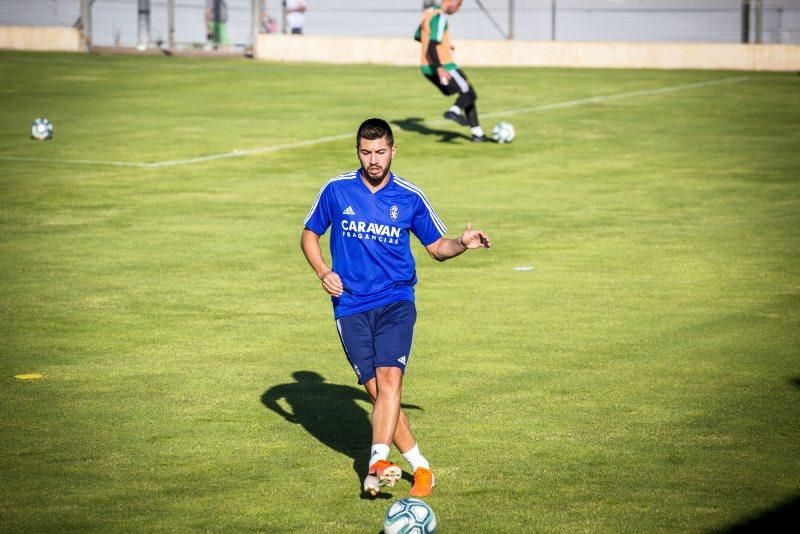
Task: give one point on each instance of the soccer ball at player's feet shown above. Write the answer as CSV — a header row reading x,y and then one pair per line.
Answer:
x,y
41,129
503,132
408,516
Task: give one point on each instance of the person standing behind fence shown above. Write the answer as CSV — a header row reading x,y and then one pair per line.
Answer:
x,y
439,67
268,24
295,15
216,22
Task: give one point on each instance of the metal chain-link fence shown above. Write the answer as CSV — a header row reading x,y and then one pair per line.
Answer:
x,y
707,21
39,12
118,22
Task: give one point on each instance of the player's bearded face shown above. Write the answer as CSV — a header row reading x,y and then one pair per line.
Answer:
x,y
376,158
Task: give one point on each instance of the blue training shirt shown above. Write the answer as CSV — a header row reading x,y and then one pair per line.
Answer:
x,y
370,238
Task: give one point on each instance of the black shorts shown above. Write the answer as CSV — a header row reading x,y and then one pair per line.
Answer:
x,y
458,84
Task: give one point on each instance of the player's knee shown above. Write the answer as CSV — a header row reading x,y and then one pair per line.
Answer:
x,y
389,380
372,390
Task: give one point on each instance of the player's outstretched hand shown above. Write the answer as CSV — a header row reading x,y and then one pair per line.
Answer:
x,y
332,284
475,238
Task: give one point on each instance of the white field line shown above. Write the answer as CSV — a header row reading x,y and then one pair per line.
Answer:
x,y
74,161
186,161
328,138
248,152
604,98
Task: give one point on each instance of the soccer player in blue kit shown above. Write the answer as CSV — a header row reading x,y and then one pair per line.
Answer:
x,y
372,214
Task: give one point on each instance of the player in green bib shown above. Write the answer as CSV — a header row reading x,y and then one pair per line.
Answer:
x,y
439,67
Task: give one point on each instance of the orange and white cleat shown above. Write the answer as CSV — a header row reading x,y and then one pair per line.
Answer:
x,y
381,473
424,481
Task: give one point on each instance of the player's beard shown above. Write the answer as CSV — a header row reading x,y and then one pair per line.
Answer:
x,y
379,176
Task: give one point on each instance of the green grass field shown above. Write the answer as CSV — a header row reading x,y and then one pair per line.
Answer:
x,y
643,377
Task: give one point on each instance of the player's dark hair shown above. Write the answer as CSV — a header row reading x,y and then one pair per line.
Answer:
x,y
375,128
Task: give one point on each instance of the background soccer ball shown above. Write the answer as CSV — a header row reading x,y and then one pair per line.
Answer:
x,y
409,516
41,129
503,132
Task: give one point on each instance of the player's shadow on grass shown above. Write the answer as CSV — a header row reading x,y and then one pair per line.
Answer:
x,y
416,124
329,412
775,520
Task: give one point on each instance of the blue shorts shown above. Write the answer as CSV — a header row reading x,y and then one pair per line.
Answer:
x,y
380,337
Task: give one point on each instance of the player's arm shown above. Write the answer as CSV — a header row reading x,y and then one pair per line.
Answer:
x,y
331,283
444,249
436,65
433,55
436,29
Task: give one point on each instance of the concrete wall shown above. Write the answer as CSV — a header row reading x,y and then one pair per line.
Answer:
x,y
394,51
42,38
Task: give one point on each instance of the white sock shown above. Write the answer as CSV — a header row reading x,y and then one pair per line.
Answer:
x,y
477,130
379,452
416,459
457,110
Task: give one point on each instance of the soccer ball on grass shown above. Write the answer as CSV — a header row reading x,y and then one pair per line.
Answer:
x,y
41,129
409,516
503,132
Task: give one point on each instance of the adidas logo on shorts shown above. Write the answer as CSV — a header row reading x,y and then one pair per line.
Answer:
x,y
402,359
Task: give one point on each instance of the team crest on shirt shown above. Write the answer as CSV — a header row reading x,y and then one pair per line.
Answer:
x,y
394,211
